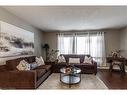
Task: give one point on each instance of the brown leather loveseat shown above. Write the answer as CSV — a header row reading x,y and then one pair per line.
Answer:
x,y
11,78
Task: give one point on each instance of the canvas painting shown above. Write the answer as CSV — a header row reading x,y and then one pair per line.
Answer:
x,y
15,41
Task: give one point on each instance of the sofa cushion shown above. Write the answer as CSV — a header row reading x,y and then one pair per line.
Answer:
x,y
88,60
33,65
40,61
67,56
23,65
30,59
3,68
84,65
46,67
74,60
40,72
11,64
61,59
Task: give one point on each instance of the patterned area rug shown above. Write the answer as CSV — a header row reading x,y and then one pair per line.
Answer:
x,y
88,81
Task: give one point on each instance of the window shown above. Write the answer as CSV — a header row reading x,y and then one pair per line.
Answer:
x,y
65,44
82,43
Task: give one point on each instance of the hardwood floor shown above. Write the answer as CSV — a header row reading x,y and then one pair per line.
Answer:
x,y
113,80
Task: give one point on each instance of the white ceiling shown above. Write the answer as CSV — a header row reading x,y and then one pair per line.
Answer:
x,y
72,17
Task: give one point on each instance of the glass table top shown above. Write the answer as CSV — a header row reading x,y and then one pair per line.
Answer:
x,y
70,70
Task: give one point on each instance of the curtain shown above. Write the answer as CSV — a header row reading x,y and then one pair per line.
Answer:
x,y
97,47
65,43
83,43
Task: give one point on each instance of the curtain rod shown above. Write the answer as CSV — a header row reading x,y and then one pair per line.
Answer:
x,y
80,32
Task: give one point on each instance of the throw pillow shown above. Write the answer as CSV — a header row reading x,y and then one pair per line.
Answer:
x,y
74,60
40,61
33,65
87,60
23,65
61,59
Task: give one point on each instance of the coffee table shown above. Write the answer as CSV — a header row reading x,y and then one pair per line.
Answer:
x,y
70,75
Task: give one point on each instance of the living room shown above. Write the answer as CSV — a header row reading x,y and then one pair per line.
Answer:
x,y
74,47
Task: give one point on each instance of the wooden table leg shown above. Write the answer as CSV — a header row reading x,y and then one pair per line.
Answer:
x,y
110,68
123,68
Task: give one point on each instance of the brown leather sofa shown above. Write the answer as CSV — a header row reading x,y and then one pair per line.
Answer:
x,y
85,67
11,78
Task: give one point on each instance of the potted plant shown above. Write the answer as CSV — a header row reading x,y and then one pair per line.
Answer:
x,y
52,55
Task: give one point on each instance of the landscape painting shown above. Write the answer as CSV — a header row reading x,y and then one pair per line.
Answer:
x,y
15,41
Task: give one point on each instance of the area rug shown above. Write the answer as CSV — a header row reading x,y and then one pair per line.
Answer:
x,y
88,81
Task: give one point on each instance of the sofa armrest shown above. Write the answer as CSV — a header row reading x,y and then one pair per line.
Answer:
x,y
2,68
18,79
95,66
16,76
94,62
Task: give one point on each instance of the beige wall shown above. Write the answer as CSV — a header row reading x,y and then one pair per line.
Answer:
x,y
112,40
51,39
12,19
123,42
